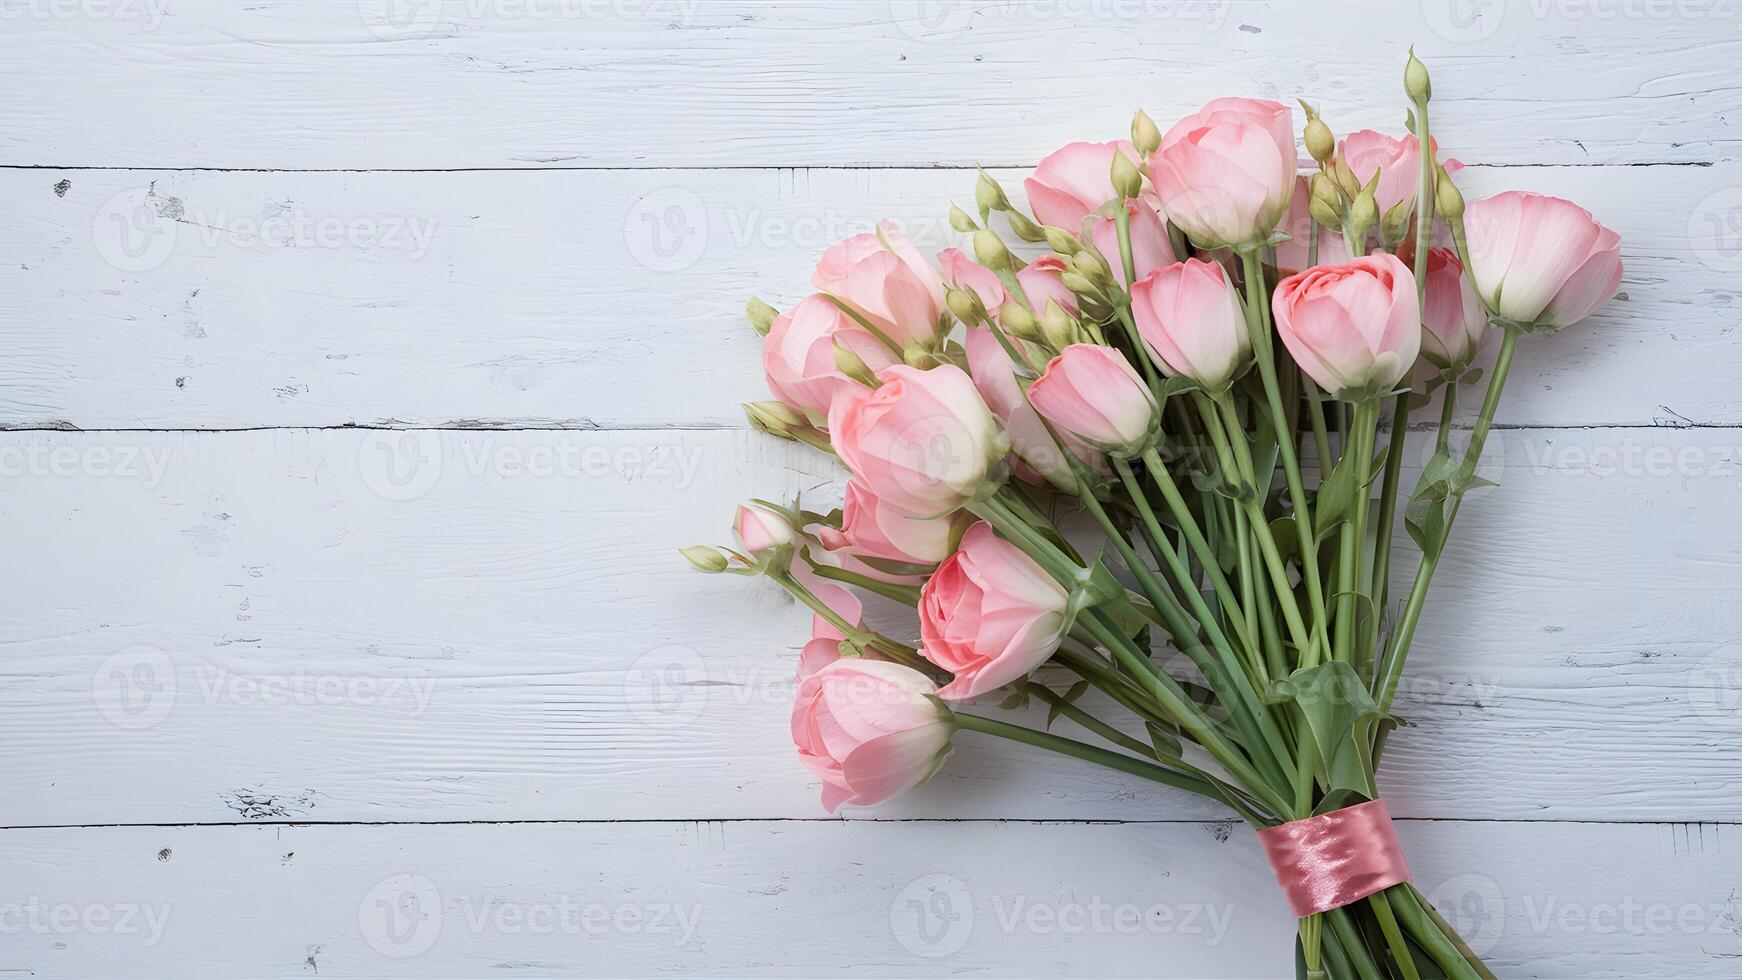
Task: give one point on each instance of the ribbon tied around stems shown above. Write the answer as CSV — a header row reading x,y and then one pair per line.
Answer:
x,y
1335,858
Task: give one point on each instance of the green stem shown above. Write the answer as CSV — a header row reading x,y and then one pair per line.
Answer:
x,y
1353,944
1088,721
1349,585
1444,952
1084,751
907,594
1400,953
1388,514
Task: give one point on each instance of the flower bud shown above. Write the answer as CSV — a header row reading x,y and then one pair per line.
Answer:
x,y
774,418
1144,134
853,366
1395,225
1345,178
1025,229
960,221
1363,212
1017,321
1415,81
1126,180
1326,205
989,196
760,527
1059,328
761,316
990,250
1093,393
962,304
704,558
1078,283
1088,264
1061,241
1447,201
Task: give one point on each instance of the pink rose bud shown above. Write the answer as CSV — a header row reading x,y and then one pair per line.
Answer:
x,y
1073,181
1093,392
838,598
869,729
989,615
1397,161
1453,318
761,528
1539,260
887,281
1292,254
923,442
1354,328
962,272
1150,246
1039,460
1040,281
882,530
1226,173
1190,317
798,355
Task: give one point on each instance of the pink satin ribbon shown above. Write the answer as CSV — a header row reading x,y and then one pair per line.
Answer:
x,y
1335,858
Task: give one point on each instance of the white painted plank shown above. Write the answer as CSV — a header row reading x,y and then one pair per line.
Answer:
x,y
415,84
816,899
615,298
254,603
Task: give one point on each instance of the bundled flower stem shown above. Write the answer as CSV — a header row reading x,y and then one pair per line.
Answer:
x,y
1164,458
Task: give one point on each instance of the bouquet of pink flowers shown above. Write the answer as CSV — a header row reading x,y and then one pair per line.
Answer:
x,y
1155,459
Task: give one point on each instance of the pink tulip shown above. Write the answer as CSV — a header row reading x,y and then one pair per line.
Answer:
x,y
1190,317
1354,328
1039,460
1540,260
760,528
961,272
1453,319
869,729
887,281
881,530
1073,181
1092,392
1150,246
798,355
923,441
1292,254
989,615
1226,173
1397,161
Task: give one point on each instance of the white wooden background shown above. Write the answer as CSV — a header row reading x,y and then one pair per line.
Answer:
x,y
364,362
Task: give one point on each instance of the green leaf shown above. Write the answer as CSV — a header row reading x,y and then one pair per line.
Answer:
x,y
1340,713
1164,741
1178,386
1336,495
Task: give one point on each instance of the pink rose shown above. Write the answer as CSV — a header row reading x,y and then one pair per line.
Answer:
x,y
1292,254
1041,280
1073,181
824,647
1038,457
1540,260
1354,328
760,528
1397,161
1190,317
1226,173
869,729
1150,247
1092,392
1453,319
798,355
882,530
887,281
989,615
961,272
923,441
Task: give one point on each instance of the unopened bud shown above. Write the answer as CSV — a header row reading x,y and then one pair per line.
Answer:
x,y
962,304
1058,327
1078,283
1126,180
704,558
1395,225
1415,81
1144,135
774,418
989,196
1326,206
854,366
1447,201
1018,322
1345,179
1025,229
917,355
990,250
1364,212
761,316
1062,241
1320,142
1089,264
960,221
